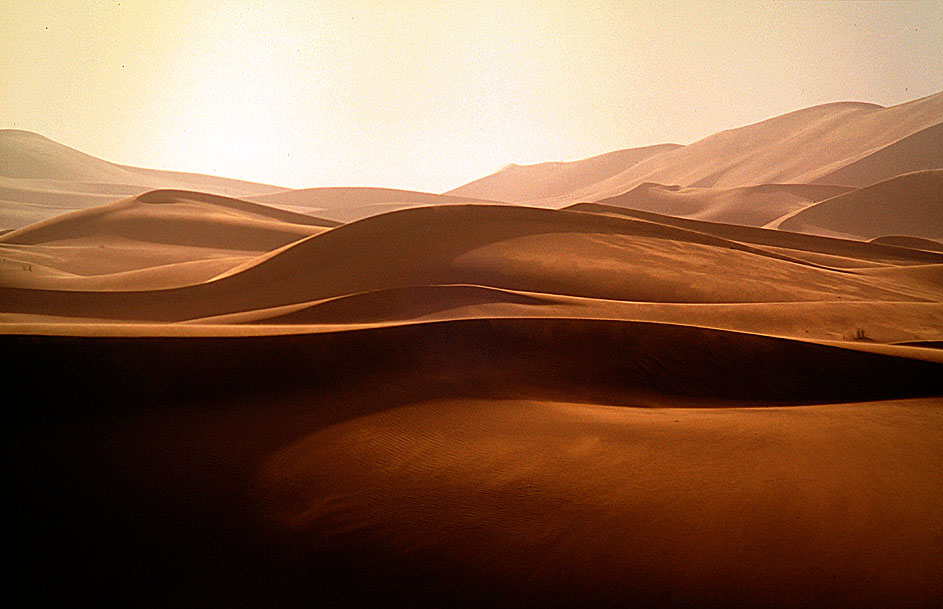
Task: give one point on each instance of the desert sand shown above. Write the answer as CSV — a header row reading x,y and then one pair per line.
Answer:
x,y
842,144
678,376
874,211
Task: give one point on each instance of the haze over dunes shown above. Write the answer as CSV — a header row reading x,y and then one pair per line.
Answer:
x,y
844,144
673,376
40,178
522,184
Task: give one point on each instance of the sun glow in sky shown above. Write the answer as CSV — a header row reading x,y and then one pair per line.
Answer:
x,y
430,95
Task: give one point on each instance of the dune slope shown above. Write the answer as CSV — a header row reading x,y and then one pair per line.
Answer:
x,y
40,178
156,239
554,181
747,205
234,471
917,152
908,205
347,204
594,255
27,155
812,145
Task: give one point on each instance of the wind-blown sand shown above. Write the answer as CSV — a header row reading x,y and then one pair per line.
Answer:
x,y
452,402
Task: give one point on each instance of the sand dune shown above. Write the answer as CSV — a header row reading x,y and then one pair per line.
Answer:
x,y
26,155
402,304
917,152
343,197
912,242
24,201
161,215
546,182
394,454
829,251
648,400
40,178
806,146
157,239
910,204
747,205
347,204
854,145
884,322
503,247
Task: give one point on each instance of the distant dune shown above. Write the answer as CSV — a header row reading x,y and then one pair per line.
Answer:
x,y
29,156
841,144
747,205
160,238
170,216
546,182
917,152
40,178
699,376
828,251
806,146
346,204
909,204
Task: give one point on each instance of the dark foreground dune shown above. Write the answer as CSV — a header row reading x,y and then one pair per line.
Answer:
x,y
536,462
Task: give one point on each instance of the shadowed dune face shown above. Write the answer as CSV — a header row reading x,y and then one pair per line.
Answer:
x,y
301,465
530,474
652,400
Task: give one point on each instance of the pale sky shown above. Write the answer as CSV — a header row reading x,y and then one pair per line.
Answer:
x,y
430,95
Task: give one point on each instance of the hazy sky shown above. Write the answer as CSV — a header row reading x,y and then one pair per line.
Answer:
x,y
429,95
